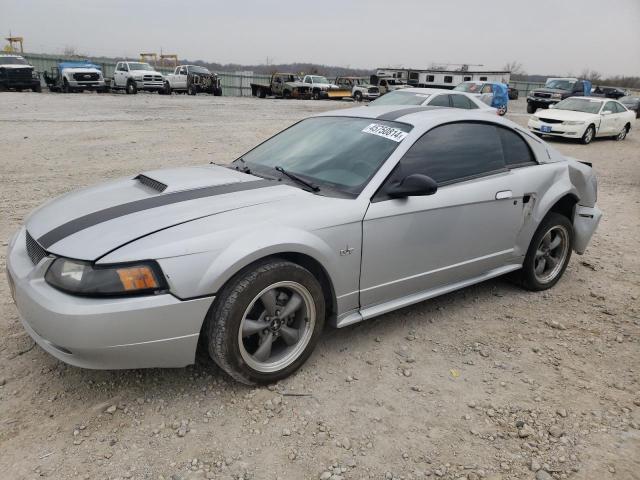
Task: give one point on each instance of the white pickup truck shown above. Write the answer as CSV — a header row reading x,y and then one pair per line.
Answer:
x,y
192,79
134,76
323,88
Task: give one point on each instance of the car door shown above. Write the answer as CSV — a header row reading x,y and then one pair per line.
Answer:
x,y
486,94
118,74
466,229
610,119
462,101
181,80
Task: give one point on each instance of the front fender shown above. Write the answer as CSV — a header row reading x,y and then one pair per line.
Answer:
x,y
252,247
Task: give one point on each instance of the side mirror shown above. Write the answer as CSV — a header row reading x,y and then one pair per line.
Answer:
x,y
413,185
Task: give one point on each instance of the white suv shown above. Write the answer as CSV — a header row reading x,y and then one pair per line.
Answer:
x,y
134,76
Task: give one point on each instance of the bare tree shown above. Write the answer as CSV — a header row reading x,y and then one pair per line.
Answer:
x,y
591,75
516,68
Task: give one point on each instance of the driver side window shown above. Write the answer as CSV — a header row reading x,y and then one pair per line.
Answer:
x,y
609,107
452,153
183,71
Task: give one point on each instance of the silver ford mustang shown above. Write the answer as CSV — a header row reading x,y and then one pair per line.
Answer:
x,y
342,217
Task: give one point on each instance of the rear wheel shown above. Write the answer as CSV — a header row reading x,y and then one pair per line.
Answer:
x,y
266,322
549,253
357,96
262,93
588,135
623,133
37,88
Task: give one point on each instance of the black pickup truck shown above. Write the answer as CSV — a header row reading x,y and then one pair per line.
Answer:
x,y
284,85
555,90
17,74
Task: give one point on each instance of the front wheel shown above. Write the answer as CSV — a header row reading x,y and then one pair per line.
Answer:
x,y
549,253
357,96
531,108
266,322
132,88
191,89
588,135
316,95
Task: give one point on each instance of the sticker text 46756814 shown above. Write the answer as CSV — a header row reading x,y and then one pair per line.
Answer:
x,y
384,131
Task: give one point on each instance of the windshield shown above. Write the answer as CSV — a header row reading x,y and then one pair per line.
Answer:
x,y
361,81
398,97
340,153
579,105
319,79
139,66
13,61
560,84
197,69
630,99
395,82
469,87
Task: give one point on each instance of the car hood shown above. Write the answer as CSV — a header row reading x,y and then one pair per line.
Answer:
x,y
144,72
550,90
15,67
89,223
556,114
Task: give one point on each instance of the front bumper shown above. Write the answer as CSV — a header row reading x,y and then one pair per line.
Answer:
x,y
585,222
557,129
542,101
88,85
103,333
150,85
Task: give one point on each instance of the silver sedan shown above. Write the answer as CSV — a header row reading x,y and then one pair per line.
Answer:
x,y
338,219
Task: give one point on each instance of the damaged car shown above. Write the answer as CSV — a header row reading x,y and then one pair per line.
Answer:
x,y
385,207
192,79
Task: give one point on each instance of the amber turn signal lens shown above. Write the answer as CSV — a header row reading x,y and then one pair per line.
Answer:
x,y
137,278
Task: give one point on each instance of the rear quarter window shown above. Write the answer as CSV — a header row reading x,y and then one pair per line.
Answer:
x,y
515,149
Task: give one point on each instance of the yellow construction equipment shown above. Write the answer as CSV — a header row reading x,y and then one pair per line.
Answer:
x,y
12,47
151,58
168,60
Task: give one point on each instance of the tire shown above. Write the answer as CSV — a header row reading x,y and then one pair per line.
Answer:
x,y
588,135
37,88
217,92
623,133
536,275
131,88
531,108
191,89
244,357
286,94
316,95
357,96
502,110
65,86
261,93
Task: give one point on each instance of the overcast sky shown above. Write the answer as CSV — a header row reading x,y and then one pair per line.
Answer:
x,y
547,36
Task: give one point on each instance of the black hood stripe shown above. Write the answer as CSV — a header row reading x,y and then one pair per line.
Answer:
x,y
396,114
86,221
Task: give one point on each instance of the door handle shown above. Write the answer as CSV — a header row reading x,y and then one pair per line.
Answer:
x,y
504,194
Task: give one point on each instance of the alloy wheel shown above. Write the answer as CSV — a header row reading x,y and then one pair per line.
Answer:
x,y
277,326
551,254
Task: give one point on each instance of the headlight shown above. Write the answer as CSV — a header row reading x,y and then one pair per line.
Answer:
x,y
138,78
83,278
572,122
556,95
533,118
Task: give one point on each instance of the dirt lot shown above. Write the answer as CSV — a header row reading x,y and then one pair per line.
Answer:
x,y
436,390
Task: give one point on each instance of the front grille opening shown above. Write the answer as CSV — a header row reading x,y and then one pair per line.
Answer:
x,y
34,250
151,183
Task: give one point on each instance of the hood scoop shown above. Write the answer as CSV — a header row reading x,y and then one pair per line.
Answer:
x,y
151,183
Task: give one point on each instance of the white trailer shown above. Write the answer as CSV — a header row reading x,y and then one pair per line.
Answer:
x,y
444,78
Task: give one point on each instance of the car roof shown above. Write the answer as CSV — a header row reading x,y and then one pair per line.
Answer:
x,y
420,117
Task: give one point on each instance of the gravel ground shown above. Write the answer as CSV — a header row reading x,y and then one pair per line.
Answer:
x,y
488,382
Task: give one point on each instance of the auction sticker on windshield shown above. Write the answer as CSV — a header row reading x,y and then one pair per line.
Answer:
x,y
384,131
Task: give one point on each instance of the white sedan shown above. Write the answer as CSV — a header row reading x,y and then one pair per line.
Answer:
x,y
433,97
584,118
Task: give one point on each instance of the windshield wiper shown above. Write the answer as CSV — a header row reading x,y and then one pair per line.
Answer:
x,y
297,179
244,168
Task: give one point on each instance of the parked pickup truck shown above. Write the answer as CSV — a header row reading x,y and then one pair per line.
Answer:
x,y
134,76
360,88
16,73
323,88
192,79
387,84
283,85
555,90
75,76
